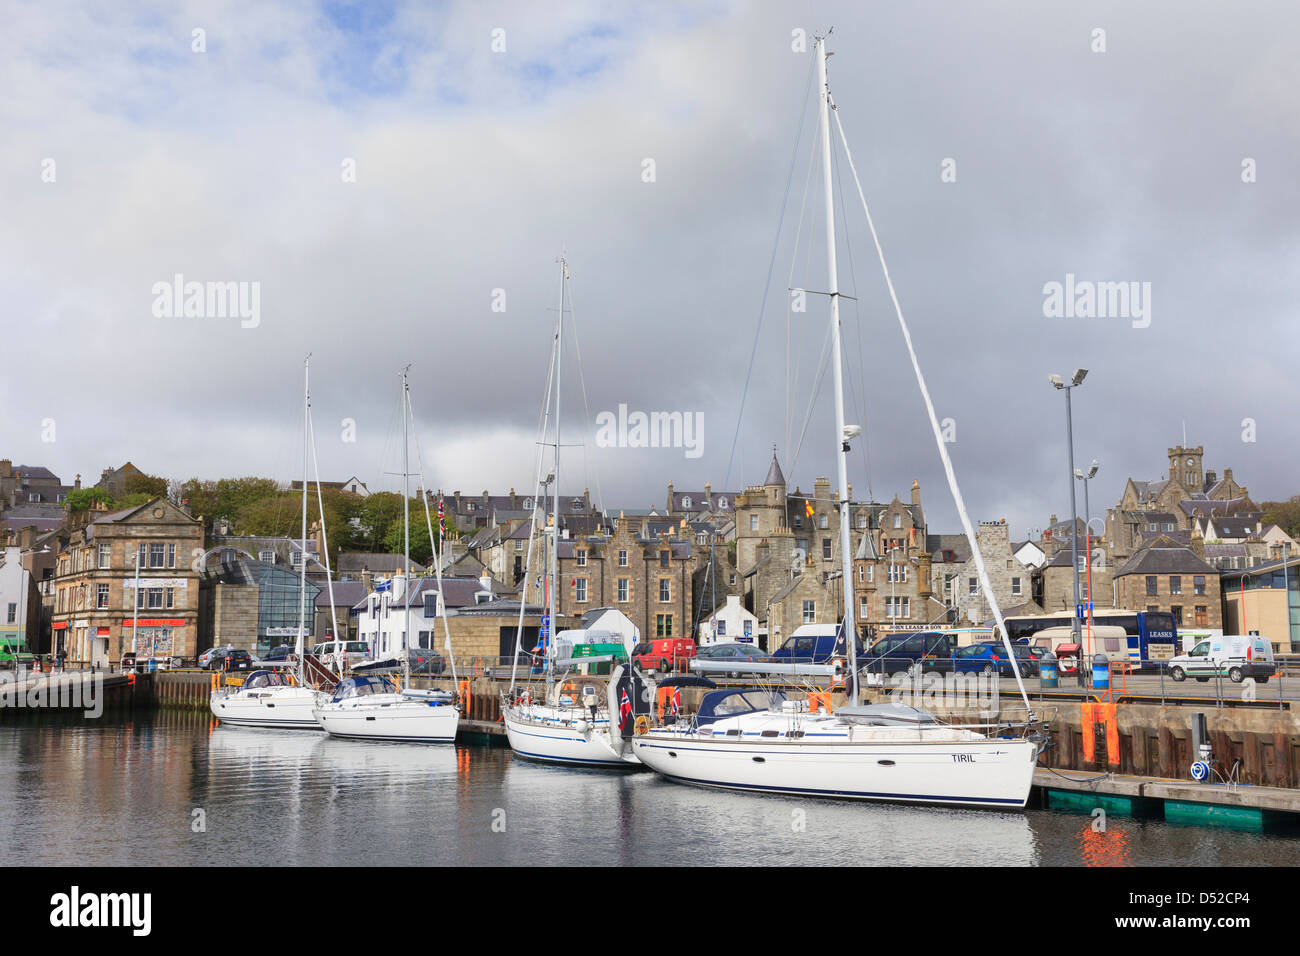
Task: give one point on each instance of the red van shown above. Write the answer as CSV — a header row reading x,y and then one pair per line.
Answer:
x,y
664,654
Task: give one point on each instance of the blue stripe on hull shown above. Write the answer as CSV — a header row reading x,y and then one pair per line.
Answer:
x,y
576,761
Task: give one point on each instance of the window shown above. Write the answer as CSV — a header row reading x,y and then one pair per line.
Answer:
x,y
663,559
157,554
155,598
947,583
665,590
622,558
1175,584
1177,611
169,597
105,554
142,555
823,521
663,625
862,520
1083,563
733,579
897,607
1153,608
1153,526
871,573
721,628
101,595
826,549
897,573
972,585
519,544
581,554
622,590
1198,583
267,556
753,522
864,610
13,612
171,555
749,628
1015,586
898,521
295,559
810,612
798,521
1153,586
580,590
1167,526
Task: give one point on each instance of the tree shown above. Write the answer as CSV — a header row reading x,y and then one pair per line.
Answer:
x,y
82,499
150,485
1285,514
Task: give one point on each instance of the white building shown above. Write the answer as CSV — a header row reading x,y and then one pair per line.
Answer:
x,y
728,624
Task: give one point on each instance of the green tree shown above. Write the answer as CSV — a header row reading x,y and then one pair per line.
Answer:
x,y
1285,514
150,485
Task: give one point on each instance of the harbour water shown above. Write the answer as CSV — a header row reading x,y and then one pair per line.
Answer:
x,y
172,788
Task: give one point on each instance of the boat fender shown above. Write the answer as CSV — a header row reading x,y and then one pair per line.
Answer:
x,y
642,725
581,726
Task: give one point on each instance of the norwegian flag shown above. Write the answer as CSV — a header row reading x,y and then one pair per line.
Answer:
x,y
625,712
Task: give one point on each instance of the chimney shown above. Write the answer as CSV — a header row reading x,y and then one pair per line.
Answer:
x,y
367,579
77,483
1198,543
6,468
1211,479
916,492
1227,475
923,589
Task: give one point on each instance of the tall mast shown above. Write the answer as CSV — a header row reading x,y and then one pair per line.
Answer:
x,y
406,525
842,456
302,567
555,491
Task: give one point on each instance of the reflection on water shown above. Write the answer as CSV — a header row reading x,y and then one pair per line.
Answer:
x,y
126,792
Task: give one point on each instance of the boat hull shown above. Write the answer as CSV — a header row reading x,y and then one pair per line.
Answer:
x,y
408,721
277,711
559,744
976,773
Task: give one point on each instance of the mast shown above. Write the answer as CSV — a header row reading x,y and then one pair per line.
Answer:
x,y
302,566
846,577
555,491
406,528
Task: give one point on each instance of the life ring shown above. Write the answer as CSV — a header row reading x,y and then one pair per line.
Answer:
x,y
130,678
570,690
641,725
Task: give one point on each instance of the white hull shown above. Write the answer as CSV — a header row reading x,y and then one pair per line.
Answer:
x,y
548,734
285,708
390,717
975,772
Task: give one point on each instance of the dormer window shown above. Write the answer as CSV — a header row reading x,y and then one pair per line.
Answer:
x,y
266,557
686,501
722,503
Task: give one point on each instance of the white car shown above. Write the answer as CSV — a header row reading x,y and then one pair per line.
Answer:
x,y
1237,655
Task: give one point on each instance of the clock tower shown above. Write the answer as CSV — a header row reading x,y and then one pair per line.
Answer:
x,y
1185,467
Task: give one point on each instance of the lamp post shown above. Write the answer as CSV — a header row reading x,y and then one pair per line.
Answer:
x,y
1075,381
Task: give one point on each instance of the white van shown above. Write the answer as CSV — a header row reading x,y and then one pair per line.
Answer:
x,y
1237,655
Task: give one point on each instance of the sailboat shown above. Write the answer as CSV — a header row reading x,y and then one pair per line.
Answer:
x,y
272,698
570,723
371,706
760,741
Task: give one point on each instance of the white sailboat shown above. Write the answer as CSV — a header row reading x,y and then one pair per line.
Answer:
x,y
372,706
273,698
758,741
570,724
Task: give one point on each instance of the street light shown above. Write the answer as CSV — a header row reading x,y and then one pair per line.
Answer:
x,y
1087,526
1075,381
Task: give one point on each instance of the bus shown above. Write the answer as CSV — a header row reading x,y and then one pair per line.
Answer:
x,y
1151,635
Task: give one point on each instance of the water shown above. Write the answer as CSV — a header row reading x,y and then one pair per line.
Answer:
x,y
116,792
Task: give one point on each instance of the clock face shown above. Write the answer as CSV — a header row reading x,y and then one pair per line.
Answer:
x,y
1190,462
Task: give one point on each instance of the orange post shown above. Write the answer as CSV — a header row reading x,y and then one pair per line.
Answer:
x,y
1112,734
1088,725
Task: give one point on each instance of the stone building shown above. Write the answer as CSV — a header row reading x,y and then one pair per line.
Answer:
x,y
955,581
98,612
1164,575
647,577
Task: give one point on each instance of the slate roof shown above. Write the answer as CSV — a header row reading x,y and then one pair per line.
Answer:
x,y
1160,559
346,593
704,501
379,562
774,475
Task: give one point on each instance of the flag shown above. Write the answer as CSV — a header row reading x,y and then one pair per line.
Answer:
x,y
624,712
808,508
442,520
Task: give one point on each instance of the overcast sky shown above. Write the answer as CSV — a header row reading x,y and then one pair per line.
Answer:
x,y
474,167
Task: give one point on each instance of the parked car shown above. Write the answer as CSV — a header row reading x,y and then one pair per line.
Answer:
x,y
983,659
732,654
425,661
664,654
206,657
354,652
231,659
1236,655
281,652
897,653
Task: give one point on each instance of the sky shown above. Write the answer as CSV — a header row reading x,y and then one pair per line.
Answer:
x,y
397,181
